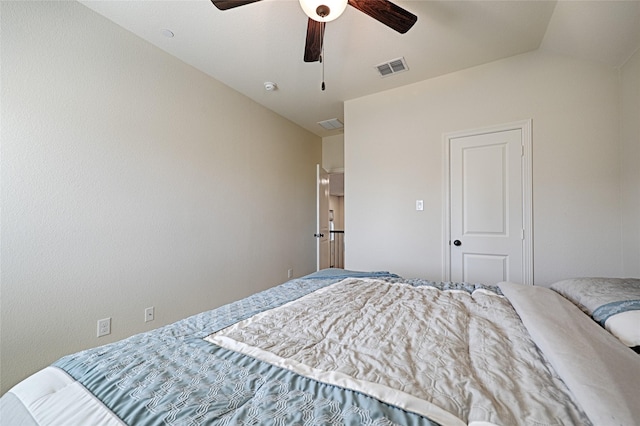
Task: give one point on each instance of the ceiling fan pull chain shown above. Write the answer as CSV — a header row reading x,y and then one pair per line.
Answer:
x,y
322,59
323,86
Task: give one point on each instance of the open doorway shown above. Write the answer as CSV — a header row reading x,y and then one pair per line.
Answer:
x,y
336,220
333,162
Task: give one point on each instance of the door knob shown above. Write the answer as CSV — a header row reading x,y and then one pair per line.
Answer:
x,y
457,243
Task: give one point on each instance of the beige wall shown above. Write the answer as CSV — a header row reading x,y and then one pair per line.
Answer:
x,y
129,179
630,162
394,156
333,153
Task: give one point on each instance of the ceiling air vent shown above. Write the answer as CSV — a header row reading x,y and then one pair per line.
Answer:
x,y
332,124
392,67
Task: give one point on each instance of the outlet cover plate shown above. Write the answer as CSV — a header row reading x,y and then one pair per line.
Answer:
x,y
104,327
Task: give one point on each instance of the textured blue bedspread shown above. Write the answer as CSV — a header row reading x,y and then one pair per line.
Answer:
x,y
172,376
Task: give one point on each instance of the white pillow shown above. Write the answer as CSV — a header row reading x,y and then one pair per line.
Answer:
x,y
626,327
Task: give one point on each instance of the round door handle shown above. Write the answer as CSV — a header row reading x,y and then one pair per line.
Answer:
x,y
457,243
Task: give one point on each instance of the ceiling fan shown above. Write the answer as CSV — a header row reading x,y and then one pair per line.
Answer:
x,y
322,11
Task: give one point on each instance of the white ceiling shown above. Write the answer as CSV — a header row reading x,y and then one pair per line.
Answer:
x,y
249,45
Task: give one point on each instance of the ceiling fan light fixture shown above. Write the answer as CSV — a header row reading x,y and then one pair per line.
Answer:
x,y
323,10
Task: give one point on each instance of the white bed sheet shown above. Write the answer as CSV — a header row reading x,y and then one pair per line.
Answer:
x,y
53,398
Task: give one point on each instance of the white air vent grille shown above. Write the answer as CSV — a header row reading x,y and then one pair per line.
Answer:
x,y
392,67
332,124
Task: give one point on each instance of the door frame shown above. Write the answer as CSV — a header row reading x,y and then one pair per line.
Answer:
x,y
322,185
525,126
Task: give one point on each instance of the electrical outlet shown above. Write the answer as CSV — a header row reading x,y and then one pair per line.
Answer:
x,y
290,273
104,327
149,314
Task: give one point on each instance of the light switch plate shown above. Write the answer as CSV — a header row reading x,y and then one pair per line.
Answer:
x,y
149,314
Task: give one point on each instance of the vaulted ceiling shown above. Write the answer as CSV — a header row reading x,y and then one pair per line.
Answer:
x,y
263,42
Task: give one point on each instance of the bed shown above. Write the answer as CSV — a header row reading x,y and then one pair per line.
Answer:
x,y
347,347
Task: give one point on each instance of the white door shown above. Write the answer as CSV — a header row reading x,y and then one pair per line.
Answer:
x,y
488,221
322,218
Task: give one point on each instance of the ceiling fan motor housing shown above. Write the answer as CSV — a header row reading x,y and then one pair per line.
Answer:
x,y
323,10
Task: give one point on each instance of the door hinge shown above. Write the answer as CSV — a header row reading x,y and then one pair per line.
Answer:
x,y
522,234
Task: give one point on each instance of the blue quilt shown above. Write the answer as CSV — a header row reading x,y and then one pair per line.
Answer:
x,y
171,376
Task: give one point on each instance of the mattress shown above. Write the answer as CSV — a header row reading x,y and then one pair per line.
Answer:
x,y
345,347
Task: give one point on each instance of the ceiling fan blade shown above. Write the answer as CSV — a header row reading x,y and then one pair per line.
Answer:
x,y
393,16
313,46
230,4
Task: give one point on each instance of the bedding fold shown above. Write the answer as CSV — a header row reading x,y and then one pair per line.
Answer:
x,y
51,397
603,375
